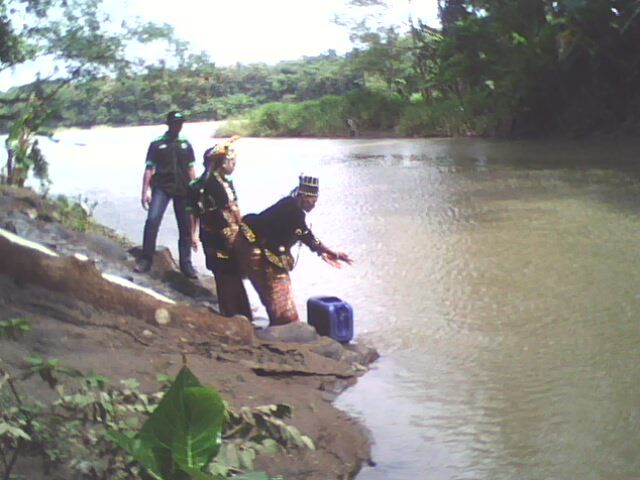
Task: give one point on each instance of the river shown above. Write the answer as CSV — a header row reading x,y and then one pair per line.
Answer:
x,y
499,280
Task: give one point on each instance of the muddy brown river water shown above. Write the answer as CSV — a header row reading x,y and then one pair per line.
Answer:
x,y
499,280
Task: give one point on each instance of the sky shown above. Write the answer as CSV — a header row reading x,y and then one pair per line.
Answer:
x,y
249,31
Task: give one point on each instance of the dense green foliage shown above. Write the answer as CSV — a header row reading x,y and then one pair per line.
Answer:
x,y
92,430
525,66
183,433
323,117
203,90
521,67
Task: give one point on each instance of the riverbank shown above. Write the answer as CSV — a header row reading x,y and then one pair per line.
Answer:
x,y
87,320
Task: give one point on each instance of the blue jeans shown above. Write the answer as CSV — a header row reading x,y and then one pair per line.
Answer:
x,y
159,201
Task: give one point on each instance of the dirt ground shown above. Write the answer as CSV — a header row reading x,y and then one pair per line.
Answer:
x,y
292,366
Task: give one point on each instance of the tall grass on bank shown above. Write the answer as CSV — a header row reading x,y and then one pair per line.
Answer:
x,y
324,117
373,113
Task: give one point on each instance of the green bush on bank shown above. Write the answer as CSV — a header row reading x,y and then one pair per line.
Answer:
x,y
374,111
473,115
323,117
438,118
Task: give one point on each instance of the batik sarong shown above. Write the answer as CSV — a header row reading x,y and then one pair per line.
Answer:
x,y
271,282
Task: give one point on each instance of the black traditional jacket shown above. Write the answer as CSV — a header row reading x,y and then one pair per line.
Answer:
x,y
278,228
213,201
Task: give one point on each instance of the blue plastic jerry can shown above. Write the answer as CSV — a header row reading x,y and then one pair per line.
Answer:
x,y
331,317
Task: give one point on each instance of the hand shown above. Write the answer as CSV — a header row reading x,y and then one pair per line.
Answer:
x,y
334,259
146,199
343,257
194,244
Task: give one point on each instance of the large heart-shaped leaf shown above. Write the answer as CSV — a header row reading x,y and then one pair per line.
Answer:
x,y
184,432
199,434
160,428
185,428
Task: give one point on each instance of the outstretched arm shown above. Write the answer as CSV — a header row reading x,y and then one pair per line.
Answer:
x,y
306,236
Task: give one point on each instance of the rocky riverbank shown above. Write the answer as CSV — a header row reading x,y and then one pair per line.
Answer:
x,y
92,312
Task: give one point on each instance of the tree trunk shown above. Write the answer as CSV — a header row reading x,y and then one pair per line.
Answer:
x,y
9,166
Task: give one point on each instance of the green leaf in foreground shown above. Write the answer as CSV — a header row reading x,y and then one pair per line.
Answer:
x,y
198,438
183,434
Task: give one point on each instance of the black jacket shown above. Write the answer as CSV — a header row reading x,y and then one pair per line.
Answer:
x,y
281,225
171,160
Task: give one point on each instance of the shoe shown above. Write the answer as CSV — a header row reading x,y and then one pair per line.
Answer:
x,y
143,265
188,271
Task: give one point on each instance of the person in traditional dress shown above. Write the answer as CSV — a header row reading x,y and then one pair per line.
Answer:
x,y
214,205
263,248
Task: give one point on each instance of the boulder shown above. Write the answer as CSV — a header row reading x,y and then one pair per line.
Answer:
x,y
298,332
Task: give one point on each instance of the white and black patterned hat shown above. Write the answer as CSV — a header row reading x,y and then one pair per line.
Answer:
x,y
309,186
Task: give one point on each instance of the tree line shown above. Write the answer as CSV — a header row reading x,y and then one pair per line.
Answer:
x,y
202,90
492,68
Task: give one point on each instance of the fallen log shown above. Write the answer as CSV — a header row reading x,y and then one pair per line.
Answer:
x,y
77,276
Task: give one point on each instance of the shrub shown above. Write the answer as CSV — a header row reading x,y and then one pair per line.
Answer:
x,y
94,430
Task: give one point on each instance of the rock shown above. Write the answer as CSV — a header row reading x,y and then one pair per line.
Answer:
x,y
147,333
190,288
11,227
165,269
359,356
299,332
365,355
328,347
163,261
162,316
104,247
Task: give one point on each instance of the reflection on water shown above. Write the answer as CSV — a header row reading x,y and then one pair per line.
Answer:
x,y
498,279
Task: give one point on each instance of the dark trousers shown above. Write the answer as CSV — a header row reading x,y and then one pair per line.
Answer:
x,y
232,296
159,201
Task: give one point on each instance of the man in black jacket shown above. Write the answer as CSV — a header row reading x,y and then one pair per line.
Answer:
x,y
264,249
169,169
